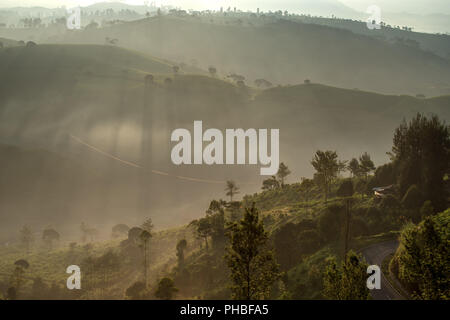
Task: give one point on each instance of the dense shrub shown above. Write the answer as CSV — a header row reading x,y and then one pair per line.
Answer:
x,y
389,202
295,241
330,222
358,227
423,257
412,198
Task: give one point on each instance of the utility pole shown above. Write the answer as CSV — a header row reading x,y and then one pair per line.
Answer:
x,y
347,227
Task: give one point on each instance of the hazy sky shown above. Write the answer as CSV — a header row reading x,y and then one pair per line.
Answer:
x,y
410,6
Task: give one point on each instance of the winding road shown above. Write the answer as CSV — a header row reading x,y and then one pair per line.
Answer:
x,y
375,254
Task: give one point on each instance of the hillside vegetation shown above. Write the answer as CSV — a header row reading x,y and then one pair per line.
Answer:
x,y
307,234
323,54
105,103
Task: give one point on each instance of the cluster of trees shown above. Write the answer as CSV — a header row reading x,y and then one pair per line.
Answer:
x,y
421,158
165,290
26,236
136,246
31,22
277,181
213,224
88,232
347,281
328,168
237,78
14,288
263,83
421,262
49,236
98,272
361,167
293,241
235,238
250,259
119,230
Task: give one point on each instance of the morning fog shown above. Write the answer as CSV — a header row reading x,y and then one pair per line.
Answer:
x,y
231,151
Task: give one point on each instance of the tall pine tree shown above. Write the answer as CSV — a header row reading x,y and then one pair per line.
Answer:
x,y
251,262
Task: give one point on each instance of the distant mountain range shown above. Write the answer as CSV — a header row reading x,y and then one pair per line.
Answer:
x,y
308,51
433,18
418,7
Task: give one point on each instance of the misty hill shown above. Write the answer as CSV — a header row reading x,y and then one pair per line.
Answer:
x,y
99,58
313,7
118,6
284,52
56,67
106,103
29,174
8,42
437,43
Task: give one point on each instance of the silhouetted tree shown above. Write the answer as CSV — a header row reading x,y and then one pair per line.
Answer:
x,y
148,225
26,237
145,238
137,291
270,183
133,235
366,165
231,189
166,289
181,247
252,264
421,153
353,167
31,44
149,79
283,172
347,282
262,83
328,167
307,186
119,230
49,236
88,232
423,256
212,71
216,217
203,229
19,269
